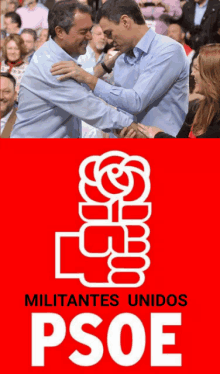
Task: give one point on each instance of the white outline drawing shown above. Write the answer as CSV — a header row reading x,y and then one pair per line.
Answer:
x,y
114,171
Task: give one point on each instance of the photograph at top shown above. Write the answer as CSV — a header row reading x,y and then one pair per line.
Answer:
x,y
110,69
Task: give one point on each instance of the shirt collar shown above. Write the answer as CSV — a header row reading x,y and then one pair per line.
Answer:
x,y
5,118
63,55
203,6
92,53
142,47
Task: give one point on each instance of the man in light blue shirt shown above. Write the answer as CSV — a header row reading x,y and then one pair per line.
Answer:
x,y
152,74
49,108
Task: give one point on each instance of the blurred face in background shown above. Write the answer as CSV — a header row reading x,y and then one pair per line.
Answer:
x,y
12,6
174,31
43,35
10,27
7,96
99,40
28,42
197,77
12,51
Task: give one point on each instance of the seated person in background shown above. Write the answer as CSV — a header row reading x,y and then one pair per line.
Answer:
x,y
203,119
7,102
177,33
12,5
12,23
93,56
94,50
201,21
30,37
42,38
157,14
193,94
33,15
13,52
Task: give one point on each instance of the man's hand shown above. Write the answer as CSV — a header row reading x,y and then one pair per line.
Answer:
x,y
133,131
149,131
139,131
69,69
110,57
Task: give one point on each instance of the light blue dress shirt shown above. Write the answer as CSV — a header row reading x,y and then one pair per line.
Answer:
x,y
48,108
199,13
154,85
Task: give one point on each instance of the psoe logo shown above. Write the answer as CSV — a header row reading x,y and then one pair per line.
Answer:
x,y
115,187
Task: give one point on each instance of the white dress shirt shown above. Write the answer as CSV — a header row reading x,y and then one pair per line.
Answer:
x,y
4,120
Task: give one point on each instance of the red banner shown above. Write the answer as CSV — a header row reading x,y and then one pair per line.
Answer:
x,y
110,256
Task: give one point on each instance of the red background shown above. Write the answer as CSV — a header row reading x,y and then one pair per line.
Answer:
x,y
39,196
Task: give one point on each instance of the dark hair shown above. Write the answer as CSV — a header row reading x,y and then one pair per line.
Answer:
x,y
30,32
172,22
62,14
114,9
9,76
15,18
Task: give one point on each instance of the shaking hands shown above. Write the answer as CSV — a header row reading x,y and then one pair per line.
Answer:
x,y
138,131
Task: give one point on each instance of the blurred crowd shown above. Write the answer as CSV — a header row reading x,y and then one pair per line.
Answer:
x,y
24,29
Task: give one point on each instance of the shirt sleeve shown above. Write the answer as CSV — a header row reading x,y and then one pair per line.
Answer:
x,y
75,99
154,81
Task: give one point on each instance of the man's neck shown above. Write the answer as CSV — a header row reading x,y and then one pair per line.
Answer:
x,y
97,52
4,113
32,5
16,30
140,31
30,53
202,2
73,55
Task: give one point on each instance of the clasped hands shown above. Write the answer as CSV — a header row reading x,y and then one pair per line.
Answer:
x,y
137,130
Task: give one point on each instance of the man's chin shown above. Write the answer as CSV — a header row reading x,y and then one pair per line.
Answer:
x,y
83,49
3,107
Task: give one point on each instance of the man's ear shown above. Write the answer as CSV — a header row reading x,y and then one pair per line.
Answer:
x,y
15,96
59,32
126,21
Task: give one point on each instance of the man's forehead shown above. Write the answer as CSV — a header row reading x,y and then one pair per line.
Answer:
x,y
174,27
106,24
27,35
82,20
6,83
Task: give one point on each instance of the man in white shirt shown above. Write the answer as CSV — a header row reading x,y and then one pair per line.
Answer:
x,y
93,56
7,100
33,15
